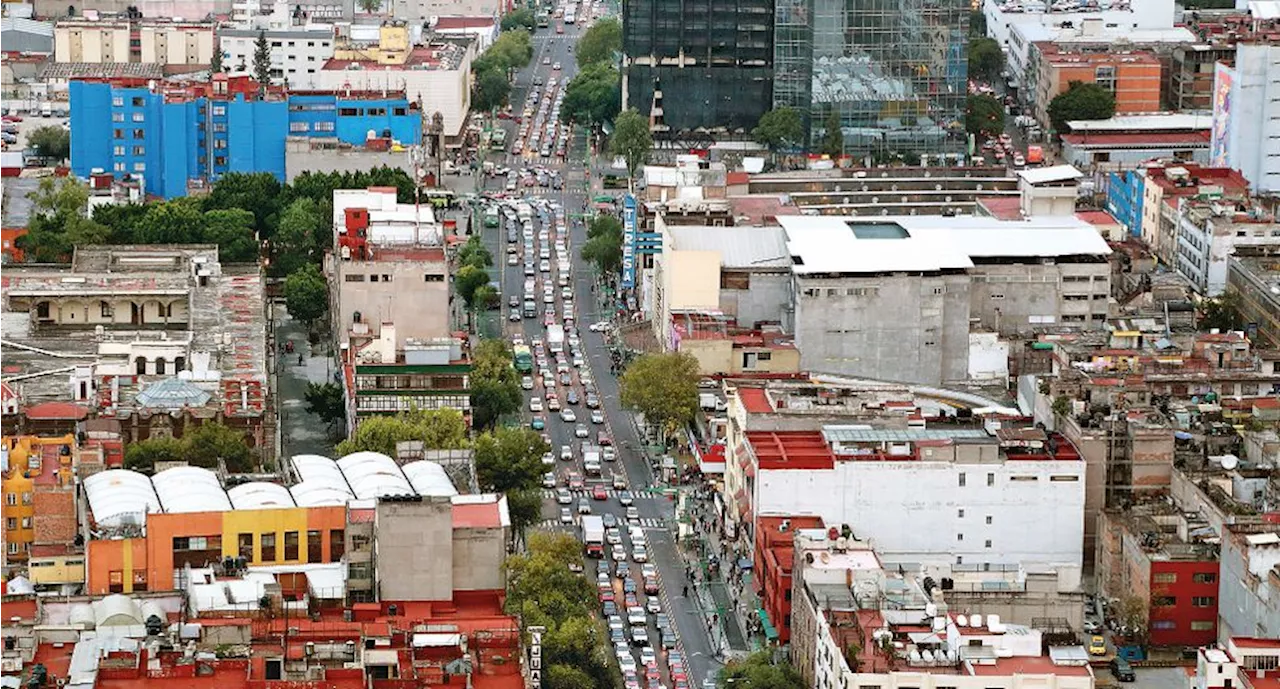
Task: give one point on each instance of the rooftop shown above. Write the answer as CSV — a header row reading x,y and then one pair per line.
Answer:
x,y
1160,122
739,247
835,245
1053,173
456,23
440,56
1151,139
100,70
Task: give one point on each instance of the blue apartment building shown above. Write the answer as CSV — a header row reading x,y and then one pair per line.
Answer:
x,y
172,137
1124,199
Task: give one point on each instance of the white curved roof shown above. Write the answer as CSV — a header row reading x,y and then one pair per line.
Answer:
x,y
429,478
115,610
373,475
320,492
190,489
316,467
115,494
260,495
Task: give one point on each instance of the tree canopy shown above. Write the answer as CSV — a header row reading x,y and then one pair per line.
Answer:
x,y
509,459
493,89
631,140
759,671
438,429
59,221
300,235
495,389
599,43
327,401
593,96
262,61
780,128
306,294
986,59
604,244
1081,101
467,281
662,387
51,142
522,18
201,446
833,137
983,115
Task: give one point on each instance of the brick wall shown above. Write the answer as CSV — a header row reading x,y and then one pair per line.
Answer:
x,y
54,521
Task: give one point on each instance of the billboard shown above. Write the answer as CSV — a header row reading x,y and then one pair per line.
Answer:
x,y
628,242
1220,134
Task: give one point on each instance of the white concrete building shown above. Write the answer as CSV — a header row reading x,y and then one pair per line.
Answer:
x,y
1246,115
930,495
1119,16
1209,234
894,297
484,30
298,47
1240,661
425,10
173,45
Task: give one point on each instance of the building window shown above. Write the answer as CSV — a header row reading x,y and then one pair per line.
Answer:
x,y
117,133
433,277
220,144
137,101
139,167
115,578
962,479
348,112
991,479
730,280
1204,577
337,544
399,112
315,546
291,545
1068,479
117,101
959,537
960,512
1164,625
323,127
268,547
219,110
244,542
988,519
117,117
1164,578
1163,601
353,278
139,150
220,161
1202,626
140,134
139,580
1203,601
298,127
139,117
11,523
988,543
219,127
119,150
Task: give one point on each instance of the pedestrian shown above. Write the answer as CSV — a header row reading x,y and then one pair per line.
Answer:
x,y
686,590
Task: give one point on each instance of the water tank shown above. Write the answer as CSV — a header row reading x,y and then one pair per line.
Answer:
x,y
975,621
930,609
962,621
993,621
915,657
927,656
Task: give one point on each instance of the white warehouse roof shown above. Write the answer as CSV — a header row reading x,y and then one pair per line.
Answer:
x,y
116,494
317,493
429,478
373,475
190,489
833,244
260,495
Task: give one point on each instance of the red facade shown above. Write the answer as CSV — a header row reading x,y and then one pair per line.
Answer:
x,y
1184,602
773,558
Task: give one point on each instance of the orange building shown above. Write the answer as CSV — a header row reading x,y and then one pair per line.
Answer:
x,y
40,476
1134,77
774,557
272,536
9,243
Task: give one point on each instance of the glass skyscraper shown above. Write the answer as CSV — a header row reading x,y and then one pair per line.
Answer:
x,y
893,71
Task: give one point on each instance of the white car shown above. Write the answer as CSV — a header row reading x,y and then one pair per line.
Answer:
x,y
535,404
639,553
633,514
548,458
653,605
649,571
625,499
637,616
526,383
581,431
567,415
613,536
609,454
599,327
639,636
619,554
564,497
544,267
597,416
648,656
549,480
566,517
566,453
627,663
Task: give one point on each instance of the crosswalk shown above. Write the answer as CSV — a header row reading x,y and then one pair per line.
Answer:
x,y
550,494
557,525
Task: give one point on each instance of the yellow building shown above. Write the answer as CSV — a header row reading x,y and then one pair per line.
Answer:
x,y
35,464
394,47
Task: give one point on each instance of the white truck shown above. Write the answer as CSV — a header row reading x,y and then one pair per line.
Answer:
x,y
593,535
591,459
555,338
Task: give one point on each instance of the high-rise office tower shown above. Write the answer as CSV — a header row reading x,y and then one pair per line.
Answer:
x,y
893,71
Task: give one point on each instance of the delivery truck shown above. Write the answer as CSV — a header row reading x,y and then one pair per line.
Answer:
x,y
555,338
593,535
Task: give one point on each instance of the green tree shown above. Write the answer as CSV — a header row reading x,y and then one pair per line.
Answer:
x,y
520,19
327,401
178,221
525,508
145,454
438,429
1081,101
576,642
306,294
977,24
493,89
593,96
495,389
605,251
560,676
486,297
512,50
215,63
759,671
467,280
60,221
631,140
540,584
256,192
509,459
833,137
1221,312
295,243
986,59
475,253
600,43
983,116
51,142
664,388
262,61
232,231
779,128
211,441
370,6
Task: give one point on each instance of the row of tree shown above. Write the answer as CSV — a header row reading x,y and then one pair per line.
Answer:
x,y
495,68
594,95
201,446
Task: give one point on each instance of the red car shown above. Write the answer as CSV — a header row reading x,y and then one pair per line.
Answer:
x,y
575,481
651,586
599,493
606,596
12,118
603,438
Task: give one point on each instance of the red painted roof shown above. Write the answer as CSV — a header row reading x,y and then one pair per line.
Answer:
x,y
477,516
1028,665
1096,217
1002,207
1136,140
737,177
791,450
1254,642
754,400
57,410
446,23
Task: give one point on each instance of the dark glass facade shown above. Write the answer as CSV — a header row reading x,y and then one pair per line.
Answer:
x,y
712,60
894,71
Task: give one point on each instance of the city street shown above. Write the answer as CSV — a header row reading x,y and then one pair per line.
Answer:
x,y
655,512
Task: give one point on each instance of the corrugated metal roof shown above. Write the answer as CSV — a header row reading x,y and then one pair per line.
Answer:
x,y
27,26
739,247
26,35
854,434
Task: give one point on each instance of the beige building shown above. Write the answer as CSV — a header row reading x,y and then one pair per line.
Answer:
x,y
173,45
433,547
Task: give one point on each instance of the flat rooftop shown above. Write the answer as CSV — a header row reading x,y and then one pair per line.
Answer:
x,y
852,245
739,247
1159,122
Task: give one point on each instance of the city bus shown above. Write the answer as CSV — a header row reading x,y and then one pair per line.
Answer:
x,y
523,359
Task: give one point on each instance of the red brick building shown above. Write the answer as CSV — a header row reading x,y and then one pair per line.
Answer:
x,y
774,556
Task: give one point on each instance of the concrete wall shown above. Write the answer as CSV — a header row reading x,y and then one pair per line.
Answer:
x,y
478,556
766,300
1255,116
300,157
186,10
296,55
418,308
904,328
1092,446
414,558
1019,298
422,10
1248,591
692,280
446,91
177,45
948,519
84,43
1040,598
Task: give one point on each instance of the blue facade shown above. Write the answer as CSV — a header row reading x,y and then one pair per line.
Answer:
x,y
1124,199
131,130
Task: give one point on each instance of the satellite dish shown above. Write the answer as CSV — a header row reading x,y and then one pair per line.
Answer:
x,y
1230,462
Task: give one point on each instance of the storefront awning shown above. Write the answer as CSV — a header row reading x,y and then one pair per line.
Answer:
x,y
769,632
